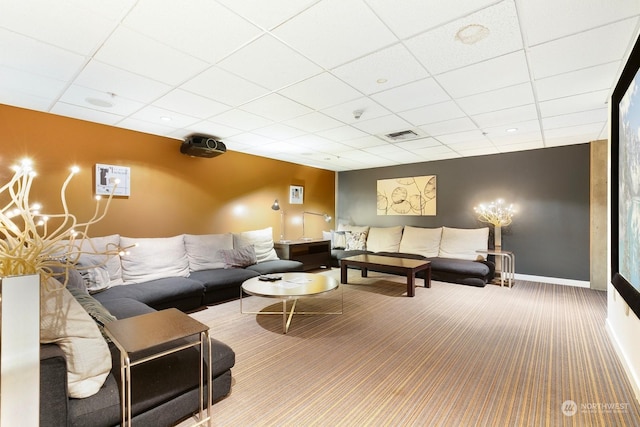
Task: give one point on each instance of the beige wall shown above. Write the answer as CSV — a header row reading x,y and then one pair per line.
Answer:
x,y
170,193
599,215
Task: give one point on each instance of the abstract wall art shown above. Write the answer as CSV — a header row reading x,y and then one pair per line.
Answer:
x,y
407,196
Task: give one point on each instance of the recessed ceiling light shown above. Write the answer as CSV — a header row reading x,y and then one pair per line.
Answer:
x,y
472,34
165,119
381,81
99,102
511,130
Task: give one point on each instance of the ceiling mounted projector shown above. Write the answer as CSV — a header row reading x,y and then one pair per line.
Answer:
x,y
202,146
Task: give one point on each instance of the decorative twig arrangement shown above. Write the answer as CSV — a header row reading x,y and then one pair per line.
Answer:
x,y
34,242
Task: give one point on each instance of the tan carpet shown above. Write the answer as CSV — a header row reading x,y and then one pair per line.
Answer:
x,y
451,356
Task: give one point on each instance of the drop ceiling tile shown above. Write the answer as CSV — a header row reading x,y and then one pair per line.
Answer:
x,y
507,139
382,70
449,126
269,63
513,129
341,133
267,14
578,82
418,144
222,86
279,132
486,76
507,116
412,95
383,150
88,114
314,122
585,117
433,113
190,104
202,28
80,96
441,49
328,34
209,128
476,151
250,139
522,146
501,99
345,112
606,44
321,91
471,136
275,107
26,54
574,104
239,119
437,153
84,29
132,51
108,79
11,96
546,20
163,117
409,17
18,81
145,126
364,142
573,134
383,125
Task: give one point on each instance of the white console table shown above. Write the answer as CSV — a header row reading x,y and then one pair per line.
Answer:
x,y
508,268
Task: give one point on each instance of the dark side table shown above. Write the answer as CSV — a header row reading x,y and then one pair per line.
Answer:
x,y
153,335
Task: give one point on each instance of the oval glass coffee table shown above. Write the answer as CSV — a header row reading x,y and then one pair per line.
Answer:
x,y
290,287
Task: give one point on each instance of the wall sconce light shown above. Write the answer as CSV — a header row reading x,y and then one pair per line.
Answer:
x,y
327,218
276,207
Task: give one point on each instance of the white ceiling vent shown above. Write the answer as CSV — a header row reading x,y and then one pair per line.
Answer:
x,y
403,135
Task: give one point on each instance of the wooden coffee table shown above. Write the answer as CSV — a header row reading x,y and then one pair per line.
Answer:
x,y
386,264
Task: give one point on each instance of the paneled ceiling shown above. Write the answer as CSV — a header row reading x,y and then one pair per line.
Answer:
x,y
321,82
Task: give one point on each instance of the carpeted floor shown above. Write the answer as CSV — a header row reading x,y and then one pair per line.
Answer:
x,y
533,355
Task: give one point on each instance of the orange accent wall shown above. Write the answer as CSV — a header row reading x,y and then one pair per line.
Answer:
x,y
170,193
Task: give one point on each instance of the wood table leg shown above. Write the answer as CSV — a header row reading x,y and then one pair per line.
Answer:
x,y
411,284
427,277
343,272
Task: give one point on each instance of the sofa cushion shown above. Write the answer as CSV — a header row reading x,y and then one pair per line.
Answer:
x,y
202,250
463,243
123,308
357,228
64,322
153,258
262,241
180,292
276,266
223,278
384,239
421,241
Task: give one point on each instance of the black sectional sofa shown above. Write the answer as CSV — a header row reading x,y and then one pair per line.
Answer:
x,y
165,391
452,251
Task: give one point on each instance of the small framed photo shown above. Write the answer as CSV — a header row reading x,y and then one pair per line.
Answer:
x,y
296,194
112,178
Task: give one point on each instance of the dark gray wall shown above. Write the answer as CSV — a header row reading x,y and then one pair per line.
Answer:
x,y
550,187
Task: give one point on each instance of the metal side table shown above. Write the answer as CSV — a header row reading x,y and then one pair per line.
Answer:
x,y
170,331
508,269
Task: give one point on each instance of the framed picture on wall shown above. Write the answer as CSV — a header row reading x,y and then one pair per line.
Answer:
x,y
296,194
111,178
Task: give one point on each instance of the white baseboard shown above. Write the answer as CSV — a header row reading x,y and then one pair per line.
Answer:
x,y
624,361
554,280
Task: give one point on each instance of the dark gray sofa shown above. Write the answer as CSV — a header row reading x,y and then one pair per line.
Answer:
x,y
165,391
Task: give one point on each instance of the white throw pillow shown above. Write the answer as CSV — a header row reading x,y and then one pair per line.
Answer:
x,y
384,239
63,321
463,243
421,241
202,250
91,258
355,228
153,258
262,241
